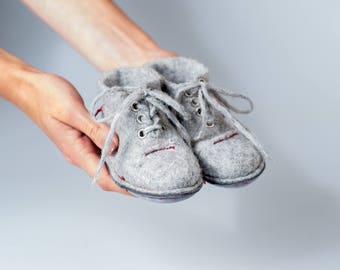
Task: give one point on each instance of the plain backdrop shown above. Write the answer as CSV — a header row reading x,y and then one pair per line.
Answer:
x,y
283,54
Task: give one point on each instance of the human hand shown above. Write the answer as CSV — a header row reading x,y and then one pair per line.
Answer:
x,y
58,109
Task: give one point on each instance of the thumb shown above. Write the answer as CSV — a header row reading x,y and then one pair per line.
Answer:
x,y
97,132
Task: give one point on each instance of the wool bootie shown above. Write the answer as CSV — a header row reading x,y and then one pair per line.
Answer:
x,y
228,153
154,159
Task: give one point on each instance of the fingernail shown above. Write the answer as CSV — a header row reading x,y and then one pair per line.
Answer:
x,y
114,145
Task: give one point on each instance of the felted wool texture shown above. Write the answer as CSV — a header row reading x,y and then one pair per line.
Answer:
x,y
180,72
129,76
245,164
230,161
137,165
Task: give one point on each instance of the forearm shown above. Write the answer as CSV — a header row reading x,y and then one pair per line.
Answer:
x,y
16,78
99,30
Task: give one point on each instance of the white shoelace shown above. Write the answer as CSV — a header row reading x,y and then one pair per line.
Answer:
x,y
157,101
216,98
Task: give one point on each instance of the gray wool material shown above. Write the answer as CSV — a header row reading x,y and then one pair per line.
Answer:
x,y
154,159
228,153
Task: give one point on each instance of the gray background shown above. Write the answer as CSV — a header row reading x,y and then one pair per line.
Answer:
x,y
283,54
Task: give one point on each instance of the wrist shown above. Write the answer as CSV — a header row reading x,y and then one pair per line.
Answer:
x,y
19,82
15,77
145,55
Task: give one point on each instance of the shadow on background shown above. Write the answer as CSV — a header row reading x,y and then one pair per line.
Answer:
x,y
286,213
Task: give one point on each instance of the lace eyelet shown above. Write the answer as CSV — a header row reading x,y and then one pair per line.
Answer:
x,y
163,128
141,134
164,88
134,106
194,103
210,124
198,111
140,118
201,80
188,94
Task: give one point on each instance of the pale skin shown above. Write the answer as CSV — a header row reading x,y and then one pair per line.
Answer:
x,y
108,39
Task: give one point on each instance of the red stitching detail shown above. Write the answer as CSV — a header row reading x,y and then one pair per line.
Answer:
x,y
226,138
160,149
121,177
100,109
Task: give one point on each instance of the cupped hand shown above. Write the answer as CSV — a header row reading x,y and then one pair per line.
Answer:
x,y
58,109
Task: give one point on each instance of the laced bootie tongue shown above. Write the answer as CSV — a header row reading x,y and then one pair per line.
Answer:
x,y
216,99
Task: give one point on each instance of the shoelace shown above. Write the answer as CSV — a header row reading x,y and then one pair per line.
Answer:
x,y
157,101
209,96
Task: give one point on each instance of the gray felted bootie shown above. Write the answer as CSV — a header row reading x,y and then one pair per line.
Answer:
x,y
228,153
154,160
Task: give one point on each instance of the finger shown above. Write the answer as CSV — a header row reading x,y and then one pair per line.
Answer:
x,y
97,132
107,184
85,157
89,164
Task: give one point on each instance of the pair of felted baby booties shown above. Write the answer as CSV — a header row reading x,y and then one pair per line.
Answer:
x,y
175,131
